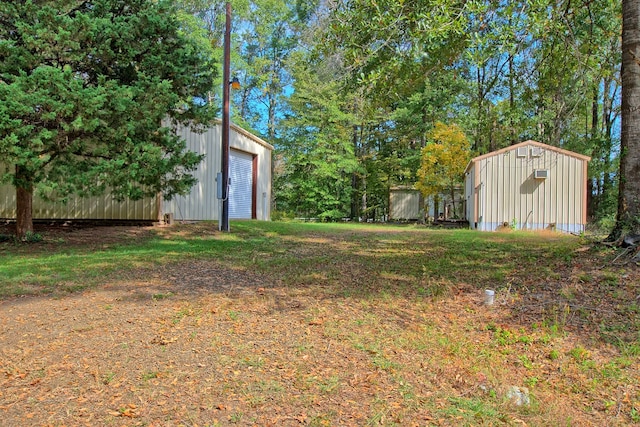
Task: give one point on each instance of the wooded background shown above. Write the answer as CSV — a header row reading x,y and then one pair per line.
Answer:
x,y
354,93
349,92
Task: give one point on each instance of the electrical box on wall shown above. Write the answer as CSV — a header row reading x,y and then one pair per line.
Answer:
x,y
219,189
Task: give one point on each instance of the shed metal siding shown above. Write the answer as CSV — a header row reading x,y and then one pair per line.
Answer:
x,y
501,188
201,203
404,204
469,199
77,208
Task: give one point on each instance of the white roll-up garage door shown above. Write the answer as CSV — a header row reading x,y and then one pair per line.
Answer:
x,y
241,186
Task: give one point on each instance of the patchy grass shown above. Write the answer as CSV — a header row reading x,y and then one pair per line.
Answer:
x,y
317,324
300,254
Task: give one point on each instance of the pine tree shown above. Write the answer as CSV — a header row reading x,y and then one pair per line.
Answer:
x,y
85,86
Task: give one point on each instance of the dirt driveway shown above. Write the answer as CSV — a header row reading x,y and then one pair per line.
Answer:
x,y
198,344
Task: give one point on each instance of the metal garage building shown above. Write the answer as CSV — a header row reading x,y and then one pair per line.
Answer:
x,y
249,173
249,192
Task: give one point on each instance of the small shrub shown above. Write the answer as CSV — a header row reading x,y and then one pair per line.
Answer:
x,y
526,362
605,224
282,216
149,375
531,381
435,288
579,353
31,237
333,215
161,296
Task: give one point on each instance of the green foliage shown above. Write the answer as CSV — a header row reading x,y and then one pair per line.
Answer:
x,y
317,161
85,87
31,237
500,70
267,33
396,44
282,215
263,36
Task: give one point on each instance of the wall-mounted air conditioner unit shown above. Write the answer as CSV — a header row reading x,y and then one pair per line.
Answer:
x,y
536,151
522,151
541,174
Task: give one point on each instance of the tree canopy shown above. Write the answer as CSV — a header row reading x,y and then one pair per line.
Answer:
x,y
350,91
503,71
86,86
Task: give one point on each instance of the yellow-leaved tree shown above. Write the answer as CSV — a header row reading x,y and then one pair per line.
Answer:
x,y
443,161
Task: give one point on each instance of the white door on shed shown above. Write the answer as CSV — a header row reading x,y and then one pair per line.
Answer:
x,y
241,186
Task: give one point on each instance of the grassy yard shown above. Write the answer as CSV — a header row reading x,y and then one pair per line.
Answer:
x,y
316,324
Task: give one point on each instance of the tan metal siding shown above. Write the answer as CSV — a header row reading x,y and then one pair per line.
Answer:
x,y
470,197
201,203
97,208
404,205
7,202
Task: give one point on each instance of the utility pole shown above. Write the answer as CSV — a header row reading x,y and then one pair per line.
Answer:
x,y
224,220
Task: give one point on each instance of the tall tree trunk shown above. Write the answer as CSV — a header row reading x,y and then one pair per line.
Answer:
x,y
593,200
24,203
478,143
355,203
512,103
628,219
